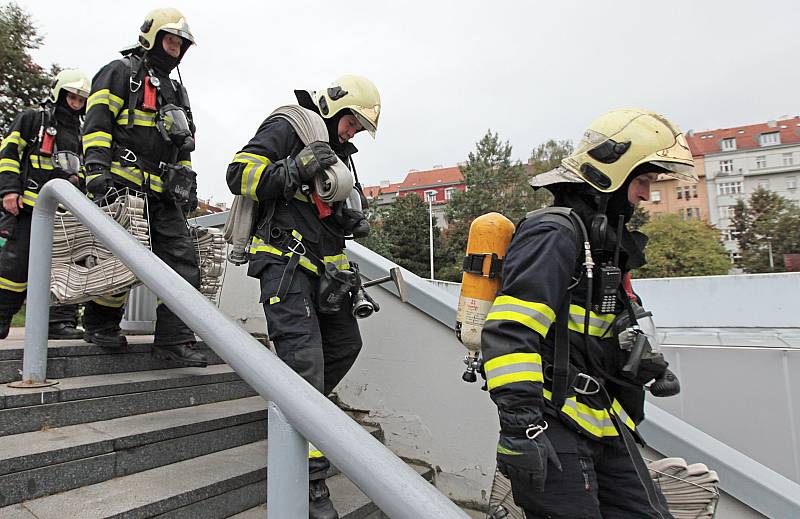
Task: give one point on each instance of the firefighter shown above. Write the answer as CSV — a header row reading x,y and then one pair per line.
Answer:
x,y
568,409
42,144
277,170
138,135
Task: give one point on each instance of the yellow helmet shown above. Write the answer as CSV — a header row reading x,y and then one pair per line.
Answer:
x,y
166,19
617,142
356,93
71,80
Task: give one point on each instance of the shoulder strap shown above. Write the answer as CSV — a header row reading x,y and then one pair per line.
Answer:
x,y
135,84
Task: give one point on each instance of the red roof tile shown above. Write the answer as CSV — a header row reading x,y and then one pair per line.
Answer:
x,y
707,142
433,177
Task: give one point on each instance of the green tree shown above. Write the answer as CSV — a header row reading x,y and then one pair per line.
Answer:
x,y
766,223
682,248
407,235
640,218
377,241
451,254
23,83
494,183
545,157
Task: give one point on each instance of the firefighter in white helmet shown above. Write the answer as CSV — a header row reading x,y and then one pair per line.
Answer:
x,y
41,144
139,135
568,387
297,251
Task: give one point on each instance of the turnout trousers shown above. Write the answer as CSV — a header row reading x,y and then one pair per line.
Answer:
x,y
597,481
321,348
14,276
170,240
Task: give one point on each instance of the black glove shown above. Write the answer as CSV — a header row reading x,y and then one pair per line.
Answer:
x,y
524,461
313,159
100,184
191,203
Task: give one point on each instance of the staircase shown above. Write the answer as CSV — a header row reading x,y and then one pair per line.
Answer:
x,y
127,436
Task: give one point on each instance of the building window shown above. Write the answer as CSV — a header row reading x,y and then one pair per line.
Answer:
x,y
769,139
655,196
726,166
764,184
727,211
728,144
791,182
729,188
727,234
430,195
787,159
761,161
449,192
679,192
693,190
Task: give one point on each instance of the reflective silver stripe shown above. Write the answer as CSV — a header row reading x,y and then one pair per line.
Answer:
x,y
598,325
533,314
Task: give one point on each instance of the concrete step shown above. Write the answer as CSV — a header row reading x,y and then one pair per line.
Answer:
x,y
76,358
95,398
45,462
216,485
349,501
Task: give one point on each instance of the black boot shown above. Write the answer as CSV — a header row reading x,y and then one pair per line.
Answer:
x,y
4,328
320,505
108,339
64,330
185,354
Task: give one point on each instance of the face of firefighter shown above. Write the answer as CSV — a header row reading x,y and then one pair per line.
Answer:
x,y
639,189
348,127
172,44
75,101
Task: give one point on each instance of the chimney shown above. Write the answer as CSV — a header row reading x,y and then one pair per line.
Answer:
x,y
772,124
688,134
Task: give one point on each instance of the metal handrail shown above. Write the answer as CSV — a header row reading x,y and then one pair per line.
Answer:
x,y
396,489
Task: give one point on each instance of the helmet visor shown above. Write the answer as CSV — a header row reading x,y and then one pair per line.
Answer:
x,y
68,162
179,29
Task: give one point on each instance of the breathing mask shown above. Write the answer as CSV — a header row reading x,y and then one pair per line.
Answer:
x,y
67,163
175,128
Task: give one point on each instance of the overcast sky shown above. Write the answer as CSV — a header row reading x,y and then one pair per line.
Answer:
x,y
449,70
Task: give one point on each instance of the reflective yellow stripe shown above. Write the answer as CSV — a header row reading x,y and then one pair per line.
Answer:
x,y
7,284
9,164
130,174
29,198
536,316
187,163
113,301
39,162
105,97
595,421
140,118
300,196
14,138
258,245
340,260
513,367
313,452
599,324
252,171
135,175
96,140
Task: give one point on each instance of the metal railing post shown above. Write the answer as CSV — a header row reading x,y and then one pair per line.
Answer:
x,y
37,310
287,470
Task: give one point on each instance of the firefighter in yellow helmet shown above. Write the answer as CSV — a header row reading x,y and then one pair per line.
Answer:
x,y
564,359
297,250
41,144
139,135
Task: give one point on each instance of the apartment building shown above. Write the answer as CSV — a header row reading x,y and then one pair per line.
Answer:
x,y
671,196
739,160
